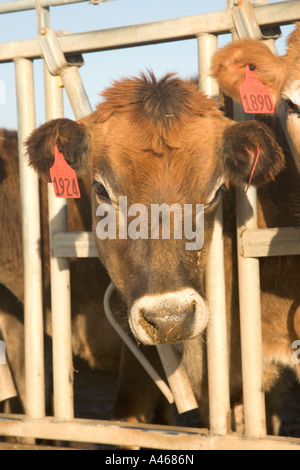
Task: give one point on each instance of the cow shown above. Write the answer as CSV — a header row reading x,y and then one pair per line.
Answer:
x,y
279,73
89,281
163,142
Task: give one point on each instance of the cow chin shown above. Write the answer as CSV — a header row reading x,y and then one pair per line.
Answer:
x,y
169,317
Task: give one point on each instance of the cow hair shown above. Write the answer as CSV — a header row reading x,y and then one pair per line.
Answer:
x,y
160,106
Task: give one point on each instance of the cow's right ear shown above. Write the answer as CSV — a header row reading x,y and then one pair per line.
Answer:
x,y
73,140
239,148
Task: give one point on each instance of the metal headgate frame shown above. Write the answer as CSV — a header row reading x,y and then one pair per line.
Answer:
x,y
255,243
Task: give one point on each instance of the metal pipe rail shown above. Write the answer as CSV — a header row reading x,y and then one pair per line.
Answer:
x,y
255,243
23,5
141,435
152,33
31,235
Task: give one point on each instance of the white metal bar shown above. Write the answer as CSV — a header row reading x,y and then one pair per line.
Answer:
x,y
217,355
280,241
255,243
74,244
60,279
249,297
207,45
33,302
58,65
59,268
142,435
22,5
152,33
250,321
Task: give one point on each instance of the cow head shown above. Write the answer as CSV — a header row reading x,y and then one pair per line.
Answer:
x,y
280,73
147,144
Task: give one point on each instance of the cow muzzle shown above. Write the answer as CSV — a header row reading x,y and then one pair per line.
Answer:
x,y
169,317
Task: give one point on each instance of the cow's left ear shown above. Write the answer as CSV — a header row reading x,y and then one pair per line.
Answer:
x,y
238,149
72,139
228,66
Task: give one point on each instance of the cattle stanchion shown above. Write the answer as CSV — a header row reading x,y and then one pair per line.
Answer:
x,y
55,64
246,25
217,355
60,280
250,320
30,209
58,65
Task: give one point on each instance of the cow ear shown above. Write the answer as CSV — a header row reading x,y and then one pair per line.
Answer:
x,y
72,139
229,67
239,147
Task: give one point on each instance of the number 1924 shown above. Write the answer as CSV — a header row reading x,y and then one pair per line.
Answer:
x,y
64,187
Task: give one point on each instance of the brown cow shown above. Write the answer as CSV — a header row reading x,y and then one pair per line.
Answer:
x,y
279,201
280,73
89,279
161,142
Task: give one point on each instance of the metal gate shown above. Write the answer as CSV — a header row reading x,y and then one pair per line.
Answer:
x,y
238,19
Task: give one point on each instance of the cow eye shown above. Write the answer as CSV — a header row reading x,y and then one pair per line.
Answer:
x,y
292,106
100,191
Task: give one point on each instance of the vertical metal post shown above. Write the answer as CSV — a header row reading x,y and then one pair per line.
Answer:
x,y
60,279
59,267
250,307
207,45
33,302
250,321
217,354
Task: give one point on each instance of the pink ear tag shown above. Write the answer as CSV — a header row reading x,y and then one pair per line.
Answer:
x,y
256,97
63,177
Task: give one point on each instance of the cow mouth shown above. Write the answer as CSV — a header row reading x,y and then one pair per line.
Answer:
x,y
168,318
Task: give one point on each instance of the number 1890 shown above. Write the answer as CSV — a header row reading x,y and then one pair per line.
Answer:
x,y
258,103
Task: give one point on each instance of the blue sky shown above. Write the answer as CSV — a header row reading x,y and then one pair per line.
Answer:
x,y
102,67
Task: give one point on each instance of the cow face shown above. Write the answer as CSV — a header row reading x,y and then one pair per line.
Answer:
x,y
280,74
159,153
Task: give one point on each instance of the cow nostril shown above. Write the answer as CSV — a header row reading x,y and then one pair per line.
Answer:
x,y
148,318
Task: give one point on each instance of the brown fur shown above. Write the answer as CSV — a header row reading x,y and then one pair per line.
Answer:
x,y
229,66
292,58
